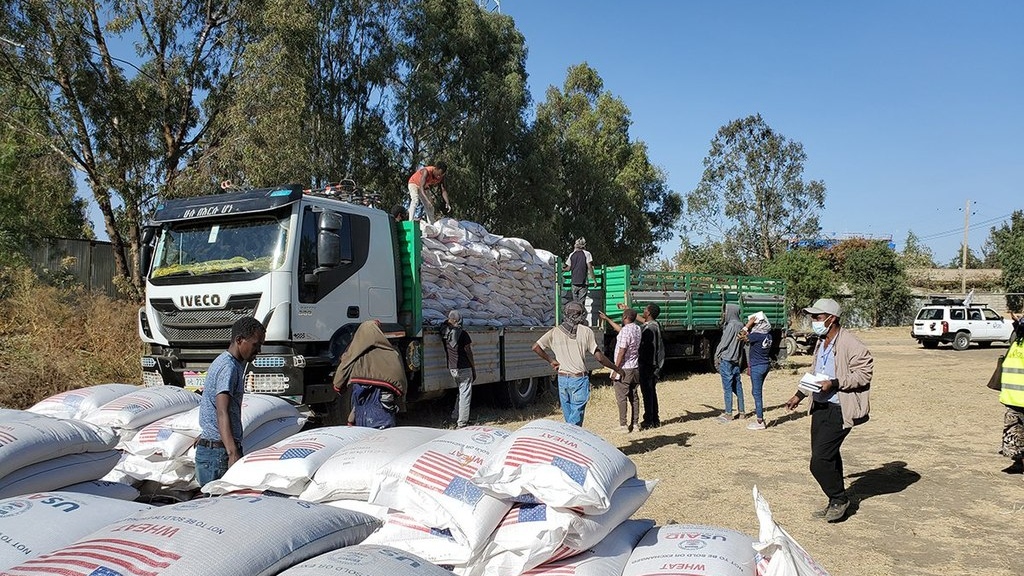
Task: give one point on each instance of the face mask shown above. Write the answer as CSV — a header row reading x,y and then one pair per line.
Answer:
x,y
819,328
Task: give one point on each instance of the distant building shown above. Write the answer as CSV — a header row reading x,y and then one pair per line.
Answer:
x,y
826,242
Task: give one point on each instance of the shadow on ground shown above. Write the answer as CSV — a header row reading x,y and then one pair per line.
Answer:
x,y
886,479
642,445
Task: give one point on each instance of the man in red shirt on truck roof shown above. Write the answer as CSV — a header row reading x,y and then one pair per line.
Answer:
x,y
419,182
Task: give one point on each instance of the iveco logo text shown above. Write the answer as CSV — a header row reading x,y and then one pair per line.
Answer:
x,y
200,301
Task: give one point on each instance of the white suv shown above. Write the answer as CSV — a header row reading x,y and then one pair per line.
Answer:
x,y
952,321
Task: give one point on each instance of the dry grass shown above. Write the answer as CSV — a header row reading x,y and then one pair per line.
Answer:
x,y
55,339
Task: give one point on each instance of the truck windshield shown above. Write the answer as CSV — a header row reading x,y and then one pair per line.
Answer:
x,y
214,247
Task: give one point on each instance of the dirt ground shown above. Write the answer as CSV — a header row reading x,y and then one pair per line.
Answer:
x,y
930,495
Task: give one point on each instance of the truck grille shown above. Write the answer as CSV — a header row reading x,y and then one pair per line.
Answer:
x,y
208,325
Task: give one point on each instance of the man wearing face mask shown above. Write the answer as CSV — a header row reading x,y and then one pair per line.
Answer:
x,y
841,404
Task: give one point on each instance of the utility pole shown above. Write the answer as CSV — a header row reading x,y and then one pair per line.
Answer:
x,y
963,256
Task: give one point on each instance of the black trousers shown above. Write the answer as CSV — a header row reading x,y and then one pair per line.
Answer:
x,y
649,392
827,435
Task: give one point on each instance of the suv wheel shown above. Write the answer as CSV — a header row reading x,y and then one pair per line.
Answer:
x,y
961,341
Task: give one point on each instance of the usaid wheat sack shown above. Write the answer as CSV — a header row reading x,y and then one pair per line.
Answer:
x,y
692,549
113,490
287,466
145,406
36,439
431,484
433,544
160,439
81,402
271,432
256,409
367,560
606,558
558,464
226,536
58,472
349,473
587,530
38,523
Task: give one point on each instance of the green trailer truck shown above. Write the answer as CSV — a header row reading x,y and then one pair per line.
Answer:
x,y
691,305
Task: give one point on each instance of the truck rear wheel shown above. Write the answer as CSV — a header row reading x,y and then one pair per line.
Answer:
x,y
518,393
961,341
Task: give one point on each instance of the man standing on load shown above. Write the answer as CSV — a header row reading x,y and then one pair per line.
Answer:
x,y
569,342
220,411
840,404
422,179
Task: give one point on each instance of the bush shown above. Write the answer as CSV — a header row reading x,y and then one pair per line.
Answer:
x,y
54,339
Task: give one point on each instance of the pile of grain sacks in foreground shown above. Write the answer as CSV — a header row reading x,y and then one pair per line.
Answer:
x,y
489,279
547,499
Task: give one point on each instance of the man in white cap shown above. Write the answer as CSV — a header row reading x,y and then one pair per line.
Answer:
x,y
458,347
842,403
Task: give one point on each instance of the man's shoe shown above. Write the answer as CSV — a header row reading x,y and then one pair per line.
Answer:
x,y
723,418
820,514
836,512
624,429
756,425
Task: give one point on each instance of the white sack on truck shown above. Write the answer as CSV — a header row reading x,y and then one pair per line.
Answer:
x,y
491,280
558,464
145,406
81,402
226,536
40,522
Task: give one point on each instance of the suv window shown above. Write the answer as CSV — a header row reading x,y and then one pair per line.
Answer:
x,y
956,314
930,314
991,314
974,314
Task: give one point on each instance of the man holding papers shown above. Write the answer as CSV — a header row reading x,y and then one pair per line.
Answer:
x,y
839,388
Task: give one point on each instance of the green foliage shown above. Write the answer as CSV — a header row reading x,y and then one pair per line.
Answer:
x,y
915,254
608,190
973,262
707,258
752,192
878,281
1008,248
807,275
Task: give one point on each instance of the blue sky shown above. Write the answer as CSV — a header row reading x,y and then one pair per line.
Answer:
x,y
905,109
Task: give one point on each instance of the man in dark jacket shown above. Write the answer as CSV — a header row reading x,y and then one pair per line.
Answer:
x,y
727,359
374,371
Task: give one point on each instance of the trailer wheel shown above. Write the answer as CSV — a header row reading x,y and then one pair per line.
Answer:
x,y
517,393
788,348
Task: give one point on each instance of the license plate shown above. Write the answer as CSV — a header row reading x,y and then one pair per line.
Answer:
x,y
194,381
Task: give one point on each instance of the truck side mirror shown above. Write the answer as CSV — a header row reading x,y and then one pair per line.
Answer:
x,y
146,250
331,252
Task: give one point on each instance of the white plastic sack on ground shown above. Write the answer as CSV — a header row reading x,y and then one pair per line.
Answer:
x,y
692,549
349,473
145,406
227,536
431,484
587,530
113,490
81,402
558,464
38,523
159,438
178,473
367,560
433,544
287,466
606,558
378,512
11,415
58,472
32,440
256,409
779,554
271,432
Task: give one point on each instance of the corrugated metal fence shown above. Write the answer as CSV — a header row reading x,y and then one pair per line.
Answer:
x,y
90,261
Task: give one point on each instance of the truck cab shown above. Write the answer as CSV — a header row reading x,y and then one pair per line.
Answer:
x,y
310,268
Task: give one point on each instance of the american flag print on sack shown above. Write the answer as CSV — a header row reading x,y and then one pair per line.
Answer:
x,y
525,513
539,451
129,404
151,434
7,435
101,557
409,523
546,570
287,451
441,473
72,398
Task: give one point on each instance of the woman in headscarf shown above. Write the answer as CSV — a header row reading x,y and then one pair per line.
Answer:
x,y
758,334
569,342
374,371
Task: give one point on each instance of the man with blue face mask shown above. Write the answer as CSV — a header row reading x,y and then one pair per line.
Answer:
x,y
841,404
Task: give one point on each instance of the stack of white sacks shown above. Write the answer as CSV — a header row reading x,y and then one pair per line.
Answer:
x,y
489,279
163,451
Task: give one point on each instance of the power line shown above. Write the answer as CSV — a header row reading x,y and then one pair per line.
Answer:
x,y
960,230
